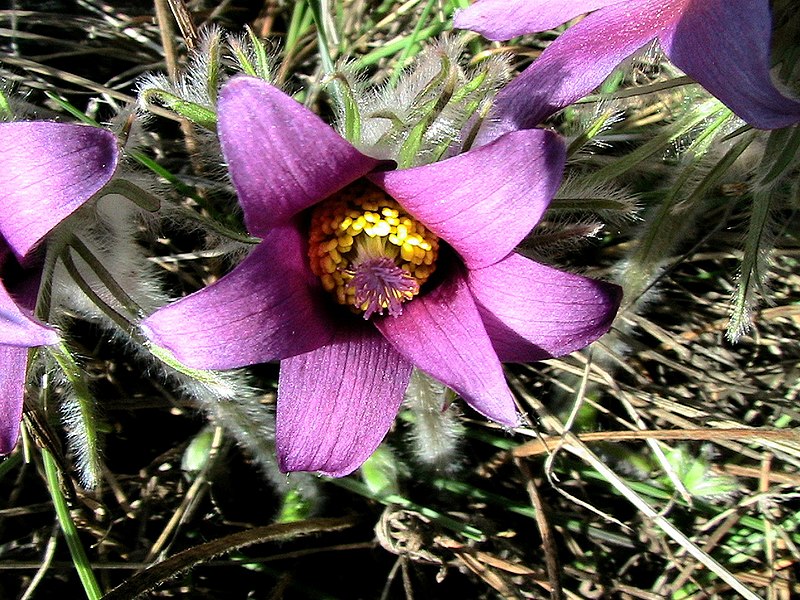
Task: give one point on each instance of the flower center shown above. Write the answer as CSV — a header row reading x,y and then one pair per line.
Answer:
x,y
368,252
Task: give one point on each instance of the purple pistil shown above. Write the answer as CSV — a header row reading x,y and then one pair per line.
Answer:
x,y
380,285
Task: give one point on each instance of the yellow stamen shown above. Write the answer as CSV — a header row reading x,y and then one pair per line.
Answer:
x,y
368,252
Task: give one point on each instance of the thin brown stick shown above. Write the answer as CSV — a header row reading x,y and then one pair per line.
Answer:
x,y
548,541
543,445
185,22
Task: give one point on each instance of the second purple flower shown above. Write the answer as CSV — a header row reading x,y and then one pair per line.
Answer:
x,y
723,44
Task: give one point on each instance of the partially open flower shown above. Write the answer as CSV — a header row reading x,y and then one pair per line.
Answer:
x,y
364,272
724,45
49,171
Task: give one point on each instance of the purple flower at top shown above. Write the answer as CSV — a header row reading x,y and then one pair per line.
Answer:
x,y
364,272
723,44
48,171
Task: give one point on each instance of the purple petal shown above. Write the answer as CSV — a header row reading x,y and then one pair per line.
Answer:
x,y
725,46
483,202
443,335
533,312
504,19
19,328
12,390
577,62
269,307
49,171
337,403
282,157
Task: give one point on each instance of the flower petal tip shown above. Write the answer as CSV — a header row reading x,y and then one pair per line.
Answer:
x,y
338,402
509,425
282,157
51,170
289,464
6,443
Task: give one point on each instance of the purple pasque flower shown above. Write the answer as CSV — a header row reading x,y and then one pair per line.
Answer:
x,y
723,44
426,253
48,171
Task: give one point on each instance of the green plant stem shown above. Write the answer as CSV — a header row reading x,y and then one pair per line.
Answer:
x,y
74,375
410,42
322,37
299,23
393,47
752,268
657,143
105,276
123,322
76,550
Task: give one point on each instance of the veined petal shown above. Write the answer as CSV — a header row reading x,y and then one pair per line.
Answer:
x,y
269,307
12,390
282,157
49,171
19,328
577,62
533,312
725,46
442,334
485,201
504,19
336,403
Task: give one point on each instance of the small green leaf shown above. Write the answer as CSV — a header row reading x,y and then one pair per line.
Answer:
x,y
197,114
5,108
295,507
197,453
380,472
352,116
262,70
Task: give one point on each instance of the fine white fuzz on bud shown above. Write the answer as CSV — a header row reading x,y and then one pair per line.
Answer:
x,y
435,430
430,111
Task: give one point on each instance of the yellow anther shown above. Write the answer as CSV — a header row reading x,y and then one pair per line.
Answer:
x,y
382,229
422,272
328,282
328,245
327,264
357,226
368,252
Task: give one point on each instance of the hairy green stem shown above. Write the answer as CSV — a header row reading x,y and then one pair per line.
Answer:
x,y
89,442
752,274
105,276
